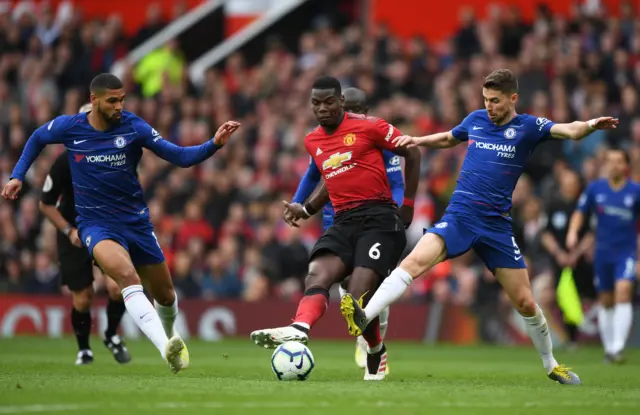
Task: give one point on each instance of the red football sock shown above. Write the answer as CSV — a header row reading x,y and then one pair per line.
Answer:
x,y
372,333
311,308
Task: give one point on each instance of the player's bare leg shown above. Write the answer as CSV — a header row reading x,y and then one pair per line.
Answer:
x,y
622,317
429,251
81,323
362,285
158,281
517,286
325,269
115,311
116,262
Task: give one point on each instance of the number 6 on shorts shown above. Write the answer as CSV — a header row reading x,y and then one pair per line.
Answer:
x,y
374,252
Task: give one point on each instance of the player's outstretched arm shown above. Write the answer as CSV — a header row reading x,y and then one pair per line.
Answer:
x,y
186,156
49,133
438,140
578,130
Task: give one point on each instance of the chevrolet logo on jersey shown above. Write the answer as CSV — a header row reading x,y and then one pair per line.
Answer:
x,y
336,160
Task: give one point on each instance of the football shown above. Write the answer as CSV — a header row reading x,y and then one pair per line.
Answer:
x,y
292,361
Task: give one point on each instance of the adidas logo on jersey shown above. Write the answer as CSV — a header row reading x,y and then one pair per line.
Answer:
x,y
318,152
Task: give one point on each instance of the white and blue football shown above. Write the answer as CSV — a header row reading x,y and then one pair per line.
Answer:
x,y
292,361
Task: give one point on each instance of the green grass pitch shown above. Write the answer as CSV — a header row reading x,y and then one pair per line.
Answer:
x,y
38,375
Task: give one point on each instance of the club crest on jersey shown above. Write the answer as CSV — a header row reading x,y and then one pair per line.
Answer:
x,y
349,139
628,201
442,225
510,133
120,142
87,241
336,160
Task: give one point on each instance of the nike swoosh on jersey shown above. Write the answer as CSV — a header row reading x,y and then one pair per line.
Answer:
x,y
517,258
476,128
78,142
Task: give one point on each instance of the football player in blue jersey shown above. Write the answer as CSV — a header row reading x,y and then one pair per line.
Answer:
x,y
104,148
615,200
355,100
499,142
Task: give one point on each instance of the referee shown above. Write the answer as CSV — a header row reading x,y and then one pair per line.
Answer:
x,y
76,265
553,240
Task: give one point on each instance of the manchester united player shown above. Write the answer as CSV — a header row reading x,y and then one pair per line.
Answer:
x,y
367,237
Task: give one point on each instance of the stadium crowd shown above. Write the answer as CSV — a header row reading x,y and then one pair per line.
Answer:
x,y
220,224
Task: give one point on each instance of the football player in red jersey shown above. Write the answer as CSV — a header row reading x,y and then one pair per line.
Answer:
x,y
367,238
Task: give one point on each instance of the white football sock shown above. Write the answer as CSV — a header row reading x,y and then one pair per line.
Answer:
x,y
168,316
145,316
390,291
341,290
622,318
541,338
605,326
384,322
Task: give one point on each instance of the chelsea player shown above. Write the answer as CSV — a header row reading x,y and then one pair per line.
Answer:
x,y
616,202
355,101
104,148
499,142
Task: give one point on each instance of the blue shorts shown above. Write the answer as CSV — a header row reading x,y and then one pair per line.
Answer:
x,y
609,269
139,240
328,213
490,237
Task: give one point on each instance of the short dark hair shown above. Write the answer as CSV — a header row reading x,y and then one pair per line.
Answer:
x,y
328,82
502,80
105,81
627,157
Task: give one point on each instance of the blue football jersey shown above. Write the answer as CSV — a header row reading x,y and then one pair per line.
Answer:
x,y
103,163
496,155
617,214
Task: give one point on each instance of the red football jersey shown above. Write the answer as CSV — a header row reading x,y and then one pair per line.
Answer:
x,y
350,160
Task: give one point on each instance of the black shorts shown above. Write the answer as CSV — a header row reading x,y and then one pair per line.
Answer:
x,y
371,236
583,277
76,265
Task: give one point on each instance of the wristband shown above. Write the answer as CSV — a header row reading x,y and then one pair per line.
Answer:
x,y
309,210
408,202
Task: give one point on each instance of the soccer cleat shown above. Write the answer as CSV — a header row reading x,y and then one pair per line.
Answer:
x,y
564,375
272,338
376,365
354,314
361,353
118,349
176,354
615,358
85,357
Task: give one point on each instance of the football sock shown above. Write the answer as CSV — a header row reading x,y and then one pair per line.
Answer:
x,y
539,333
115,311
605,326
312,307
622,318
372,335
384,322
145,316
341,290
390,291
168,316
81,323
